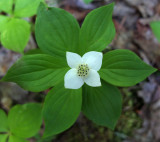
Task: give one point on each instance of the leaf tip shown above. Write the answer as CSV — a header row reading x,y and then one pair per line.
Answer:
x,y
153,70
42,7
112,4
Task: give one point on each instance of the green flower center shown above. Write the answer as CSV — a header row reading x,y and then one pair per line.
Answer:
x,y
83,70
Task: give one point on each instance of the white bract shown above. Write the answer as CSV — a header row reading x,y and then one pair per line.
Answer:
x,y
83,69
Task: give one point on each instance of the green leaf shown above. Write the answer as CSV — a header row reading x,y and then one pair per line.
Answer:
x,y
37,72
3,121
16,34
34,51
156,29
88,1
6,6
13,138
25,120
97,30
124,68
3,137
57,31
3,22
102,104
26,8
61,109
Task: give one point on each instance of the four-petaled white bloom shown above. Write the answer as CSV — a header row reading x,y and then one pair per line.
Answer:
x,y
83,69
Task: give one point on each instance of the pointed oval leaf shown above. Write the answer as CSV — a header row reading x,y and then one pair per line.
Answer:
x,y
102,104
16,35
26,8
37,72
61,109
3,121
156,29
57,31
25,120
97,30
124,68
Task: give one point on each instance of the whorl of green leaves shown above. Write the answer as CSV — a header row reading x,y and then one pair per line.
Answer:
x,y
57,31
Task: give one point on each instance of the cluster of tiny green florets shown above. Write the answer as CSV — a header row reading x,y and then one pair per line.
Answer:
x,y
83,70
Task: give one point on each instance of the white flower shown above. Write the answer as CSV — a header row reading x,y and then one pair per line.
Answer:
x,y
83,69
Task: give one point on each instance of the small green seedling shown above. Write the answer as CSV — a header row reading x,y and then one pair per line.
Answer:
x,y
23,121
15,31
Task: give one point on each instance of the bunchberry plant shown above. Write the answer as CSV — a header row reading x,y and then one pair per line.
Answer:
x,y
15,31
156,29
71,57
23,122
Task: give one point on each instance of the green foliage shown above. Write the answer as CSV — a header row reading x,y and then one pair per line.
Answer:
x,y
26,8
97,30
15,34
57,32
124,68
23,121
37,72
3,21
54,33
88,1
3,122
64,106
13,138
6,6
34,51
3,137
99,105
156,29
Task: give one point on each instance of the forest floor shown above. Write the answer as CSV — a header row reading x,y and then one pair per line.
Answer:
x,y
140,119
